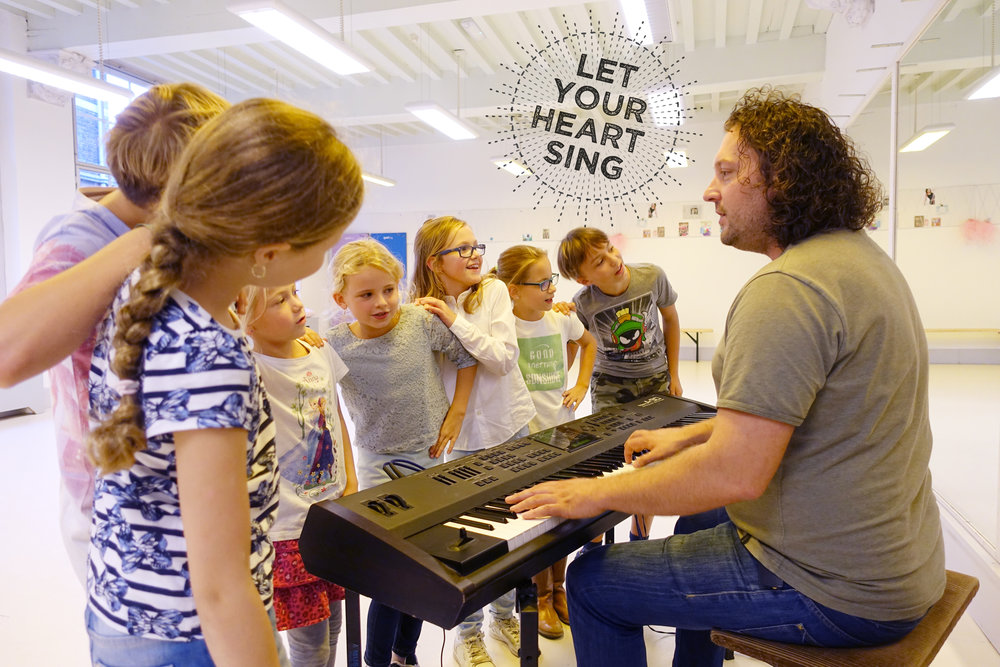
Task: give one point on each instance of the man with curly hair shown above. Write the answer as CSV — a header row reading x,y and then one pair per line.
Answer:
x,y
813,519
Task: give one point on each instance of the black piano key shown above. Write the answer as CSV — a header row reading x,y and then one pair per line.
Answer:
x,y
482,525
489,514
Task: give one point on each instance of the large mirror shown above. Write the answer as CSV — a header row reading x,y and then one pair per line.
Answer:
x,y
946,243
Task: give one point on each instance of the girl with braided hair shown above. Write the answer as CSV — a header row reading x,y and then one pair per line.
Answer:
x,y
180,567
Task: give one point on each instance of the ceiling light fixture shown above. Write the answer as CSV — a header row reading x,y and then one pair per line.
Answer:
x,y
511,166
988,88
302,34
472,29
51,75
648,22
378,180
676,158
442,120
925,137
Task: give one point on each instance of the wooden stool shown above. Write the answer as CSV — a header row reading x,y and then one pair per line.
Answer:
x,y
916,649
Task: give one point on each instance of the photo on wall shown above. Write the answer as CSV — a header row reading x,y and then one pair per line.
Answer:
x,y
682,229
706,228
918,221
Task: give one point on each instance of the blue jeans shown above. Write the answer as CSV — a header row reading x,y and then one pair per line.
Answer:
x,y
111,648
316,645
389,629
696,582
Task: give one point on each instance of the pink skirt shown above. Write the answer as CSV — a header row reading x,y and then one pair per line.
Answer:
x,y
300,598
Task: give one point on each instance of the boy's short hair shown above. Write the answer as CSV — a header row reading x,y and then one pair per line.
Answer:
x,y
150,133
574,247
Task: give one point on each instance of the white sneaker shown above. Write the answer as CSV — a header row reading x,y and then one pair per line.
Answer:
x,y
471,652
507,631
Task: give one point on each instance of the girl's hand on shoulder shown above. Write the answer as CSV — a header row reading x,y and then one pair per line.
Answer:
x,y
564,307
573,396
312,338
437,307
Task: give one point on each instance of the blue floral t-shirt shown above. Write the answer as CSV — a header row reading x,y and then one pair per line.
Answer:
x,y
196,374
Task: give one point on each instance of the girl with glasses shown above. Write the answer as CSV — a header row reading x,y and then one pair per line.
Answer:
x,y
547,340
448,282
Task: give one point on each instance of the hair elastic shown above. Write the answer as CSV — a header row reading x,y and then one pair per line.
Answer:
x,y
126,387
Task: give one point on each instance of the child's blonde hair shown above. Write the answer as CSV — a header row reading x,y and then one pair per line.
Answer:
x,y
253,303
574,247
261,172
515,261
151,132
433,237
356,255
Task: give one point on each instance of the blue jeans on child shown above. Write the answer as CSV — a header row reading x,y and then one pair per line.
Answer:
x,y
110,648
388,629
316,645
696,582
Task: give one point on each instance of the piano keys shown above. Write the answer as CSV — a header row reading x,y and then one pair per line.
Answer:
x,y
440,543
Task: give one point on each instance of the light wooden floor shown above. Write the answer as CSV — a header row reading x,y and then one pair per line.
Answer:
x,y
41,604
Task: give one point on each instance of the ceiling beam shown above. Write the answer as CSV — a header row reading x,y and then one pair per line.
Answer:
x,y
721,10
754,14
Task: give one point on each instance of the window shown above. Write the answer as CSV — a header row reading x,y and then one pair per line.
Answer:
x,y
92,120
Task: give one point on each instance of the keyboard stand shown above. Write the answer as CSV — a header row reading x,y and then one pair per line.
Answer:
x,y
527,606
352,613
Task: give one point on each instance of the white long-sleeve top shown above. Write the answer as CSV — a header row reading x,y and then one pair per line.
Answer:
x,y
500,404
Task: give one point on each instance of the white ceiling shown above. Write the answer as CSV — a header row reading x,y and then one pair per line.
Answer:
x,y
727,45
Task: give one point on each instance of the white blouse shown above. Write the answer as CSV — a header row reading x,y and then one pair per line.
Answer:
x,y
500,404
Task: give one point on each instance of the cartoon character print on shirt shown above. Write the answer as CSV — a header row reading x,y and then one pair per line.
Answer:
x,y
621,329
312,463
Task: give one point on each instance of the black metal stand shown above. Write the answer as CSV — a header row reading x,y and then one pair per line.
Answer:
x,y
527,606
352,612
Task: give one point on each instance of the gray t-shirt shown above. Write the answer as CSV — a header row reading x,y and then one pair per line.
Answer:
x,y
827,338
627,327
393,387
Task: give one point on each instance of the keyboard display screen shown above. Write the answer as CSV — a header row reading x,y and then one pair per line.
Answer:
x,y
564,437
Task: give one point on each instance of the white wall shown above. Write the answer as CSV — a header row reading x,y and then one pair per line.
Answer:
x,y
37,172
37,177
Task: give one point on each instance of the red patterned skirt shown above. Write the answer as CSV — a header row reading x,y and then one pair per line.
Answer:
x,y
300,598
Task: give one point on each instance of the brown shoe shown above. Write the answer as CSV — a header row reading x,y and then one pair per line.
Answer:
x,y
549,625
559,591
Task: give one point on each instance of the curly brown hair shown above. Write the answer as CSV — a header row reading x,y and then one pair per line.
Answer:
x,y
814,178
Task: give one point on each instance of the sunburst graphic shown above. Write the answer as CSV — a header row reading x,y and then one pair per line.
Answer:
x,y
594,120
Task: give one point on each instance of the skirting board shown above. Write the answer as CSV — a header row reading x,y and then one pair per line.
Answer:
x,y
964,553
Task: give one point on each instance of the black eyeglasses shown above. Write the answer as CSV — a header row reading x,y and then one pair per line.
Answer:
x,y
465,251
545,284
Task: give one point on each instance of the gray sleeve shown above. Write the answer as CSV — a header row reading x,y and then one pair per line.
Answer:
x,y
443,340
665,293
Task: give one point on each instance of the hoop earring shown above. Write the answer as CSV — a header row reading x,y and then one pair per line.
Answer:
x,y
258,271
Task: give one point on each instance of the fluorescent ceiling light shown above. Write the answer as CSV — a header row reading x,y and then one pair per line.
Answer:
x,y
676,158
51,75
648,21
378,179
990,87
637,20
511,166
442,120
926,137
666,106
301,34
